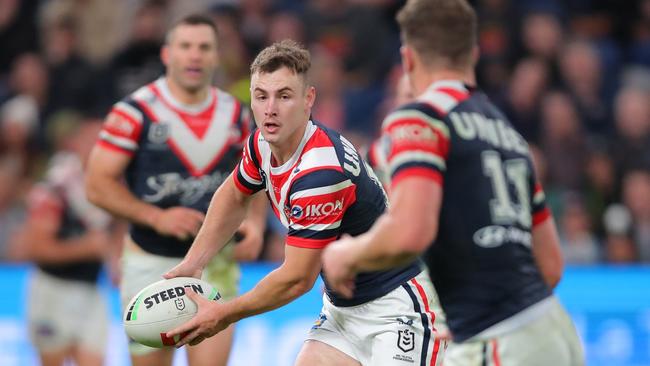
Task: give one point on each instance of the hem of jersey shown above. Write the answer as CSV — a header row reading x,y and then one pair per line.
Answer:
x,y
416,172
308,243
107,145
348,303
241,187
541,216
520,319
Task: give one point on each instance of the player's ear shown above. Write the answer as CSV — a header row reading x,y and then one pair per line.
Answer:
x,y
476,54
310,96
164,54
408,60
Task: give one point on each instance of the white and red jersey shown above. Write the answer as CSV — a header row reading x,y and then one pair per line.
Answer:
x,y
180,153
60,197
323,191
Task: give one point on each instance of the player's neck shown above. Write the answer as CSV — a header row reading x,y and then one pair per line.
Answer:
x,y
282,152
185,96
422,80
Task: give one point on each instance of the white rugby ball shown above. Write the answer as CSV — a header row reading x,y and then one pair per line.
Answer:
x,y
161,307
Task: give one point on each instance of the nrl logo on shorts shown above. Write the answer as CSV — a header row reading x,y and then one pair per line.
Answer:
x,y
406,340
158,132
180,304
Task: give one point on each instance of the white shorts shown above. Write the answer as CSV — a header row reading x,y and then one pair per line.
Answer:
x,y
549,340
64,313
396,329
140,269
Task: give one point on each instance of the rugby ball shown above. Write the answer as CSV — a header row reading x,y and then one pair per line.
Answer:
x,y
161,307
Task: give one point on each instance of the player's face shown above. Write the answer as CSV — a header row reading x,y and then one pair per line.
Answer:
x,y
281,104
191,56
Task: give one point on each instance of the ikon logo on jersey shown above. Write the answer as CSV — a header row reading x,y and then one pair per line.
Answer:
x,y
316,210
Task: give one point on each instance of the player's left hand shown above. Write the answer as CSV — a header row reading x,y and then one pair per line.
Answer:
x,y
337,267
249,248
184,269
208,321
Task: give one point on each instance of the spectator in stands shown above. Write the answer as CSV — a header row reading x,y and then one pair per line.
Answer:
x,y
636,196
579,244
562,140
139,62
581,70
521,105
632,118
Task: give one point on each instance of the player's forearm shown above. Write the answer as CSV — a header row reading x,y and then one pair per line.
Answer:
x,y
408,227
52,251
114,197
226,212
273,291
547,252
387,245
257,210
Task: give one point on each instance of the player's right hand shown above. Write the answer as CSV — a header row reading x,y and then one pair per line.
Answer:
x,y
180,222
338,271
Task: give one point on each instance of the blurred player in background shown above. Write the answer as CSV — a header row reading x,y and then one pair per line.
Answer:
x,y
319,188
175,141
464,193
67,238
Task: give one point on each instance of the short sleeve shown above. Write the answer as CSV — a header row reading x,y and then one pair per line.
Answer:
x,y
416,143
540,210
122,128
317,205
247,175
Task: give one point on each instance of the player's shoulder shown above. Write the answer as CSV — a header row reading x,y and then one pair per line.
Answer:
x,y
321,150
418,115
225,96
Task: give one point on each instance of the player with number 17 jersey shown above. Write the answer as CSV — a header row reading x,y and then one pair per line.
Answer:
x,y
482,254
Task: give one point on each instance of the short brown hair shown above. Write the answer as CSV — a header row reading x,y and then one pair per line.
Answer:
x,y
441,31
194,19
287,53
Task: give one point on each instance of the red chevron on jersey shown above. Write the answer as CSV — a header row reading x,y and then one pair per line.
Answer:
x,y
198,135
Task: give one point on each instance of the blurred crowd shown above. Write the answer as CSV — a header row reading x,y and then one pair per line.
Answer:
x,y
572,75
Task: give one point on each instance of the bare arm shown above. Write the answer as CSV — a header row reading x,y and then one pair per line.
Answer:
x,y
40,244
292,279
397,238
547,252
105,188
226,212
252,229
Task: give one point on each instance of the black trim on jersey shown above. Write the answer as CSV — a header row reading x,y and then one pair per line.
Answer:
x,y
416,164
251,149
425,324
314,234
245,183
323,178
